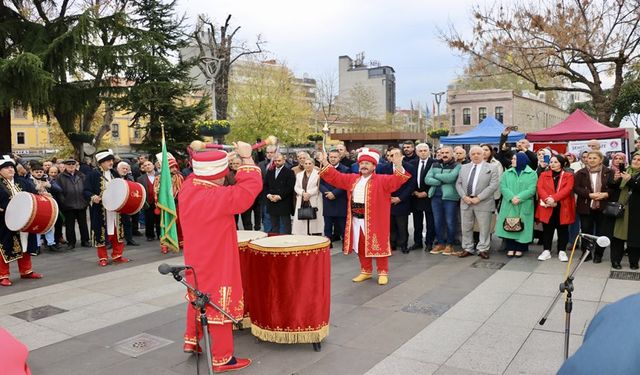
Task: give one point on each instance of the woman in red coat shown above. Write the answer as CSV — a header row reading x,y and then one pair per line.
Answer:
x,y
556,206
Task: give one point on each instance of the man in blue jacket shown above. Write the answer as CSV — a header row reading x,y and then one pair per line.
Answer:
x,y
334,202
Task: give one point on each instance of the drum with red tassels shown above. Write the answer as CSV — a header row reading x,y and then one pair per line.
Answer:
x,y
125,197
31,213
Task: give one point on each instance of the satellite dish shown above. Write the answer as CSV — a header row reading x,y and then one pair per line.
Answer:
x,y
88,149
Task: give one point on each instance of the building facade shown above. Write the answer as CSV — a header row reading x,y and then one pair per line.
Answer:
x,y
467,108
379,80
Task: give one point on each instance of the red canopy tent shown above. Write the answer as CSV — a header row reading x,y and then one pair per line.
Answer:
x,y
577,127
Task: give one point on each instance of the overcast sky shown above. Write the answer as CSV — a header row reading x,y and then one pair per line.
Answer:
x,y
310,35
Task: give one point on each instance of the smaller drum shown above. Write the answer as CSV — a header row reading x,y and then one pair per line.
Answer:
x,y
125,197
32,213
244,238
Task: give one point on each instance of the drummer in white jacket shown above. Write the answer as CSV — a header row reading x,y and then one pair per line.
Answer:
x,y
308,194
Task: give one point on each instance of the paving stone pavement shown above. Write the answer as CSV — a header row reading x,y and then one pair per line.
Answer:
x,y
437,315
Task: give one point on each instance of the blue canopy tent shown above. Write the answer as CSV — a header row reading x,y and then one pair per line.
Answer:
x,y
488,131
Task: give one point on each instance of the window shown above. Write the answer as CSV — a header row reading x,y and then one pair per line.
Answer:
x,y
453,117
20,138
115,130
500,114
482,113
466,116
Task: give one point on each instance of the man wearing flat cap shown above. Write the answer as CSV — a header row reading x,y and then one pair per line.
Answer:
x,y
14,246
73,204
105,224
368,210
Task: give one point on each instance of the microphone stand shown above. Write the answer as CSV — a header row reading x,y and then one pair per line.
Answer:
x,y
567,286
201,302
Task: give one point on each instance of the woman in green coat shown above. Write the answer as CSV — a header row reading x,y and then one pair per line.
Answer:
x,y
518,187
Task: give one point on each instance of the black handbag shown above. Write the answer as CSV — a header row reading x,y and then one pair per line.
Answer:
x,y
306,212
615,209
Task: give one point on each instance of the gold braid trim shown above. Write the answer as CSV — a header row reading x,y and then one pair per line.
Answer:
x,y
404,175
288,336
317,247
248,168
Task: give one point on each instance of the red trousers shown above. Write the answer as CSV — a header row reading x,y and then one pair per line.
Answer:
x,y
117,248
366,263
221,336
24,266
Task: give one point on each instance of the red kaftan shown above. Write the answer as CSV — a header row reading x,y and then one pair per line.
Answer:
x,y
210,237
377,207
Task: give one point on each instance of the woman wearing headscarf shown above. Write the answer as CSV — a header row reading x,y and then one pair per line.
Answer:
x,y
518,188
619,162
628,183
556,207
592,191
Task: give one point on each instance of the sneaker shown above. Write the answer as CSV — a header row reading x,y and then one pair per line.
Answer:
x,y
546,255
562,256
437,249
448,250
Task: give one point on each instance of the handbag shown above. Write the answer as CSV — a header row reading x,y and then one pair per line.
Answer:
x,y
513,224
615,209
306,212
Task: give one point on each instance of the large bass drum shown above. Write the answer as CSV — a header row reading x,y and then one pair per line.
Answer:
x,y
125,197
32,213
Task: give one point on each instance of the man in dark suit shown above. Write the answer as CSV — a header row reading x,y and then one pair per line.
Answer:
x,y
400,204
409,152
420,202
151,220
264,167
279,192
334,202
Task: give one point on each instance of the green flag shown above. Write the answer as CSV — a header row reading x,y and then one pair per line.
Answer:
x,y
167,205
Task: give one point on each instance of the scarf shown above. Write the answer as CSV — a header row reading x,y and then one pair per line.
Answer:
x,y
632,171
596,187
522,160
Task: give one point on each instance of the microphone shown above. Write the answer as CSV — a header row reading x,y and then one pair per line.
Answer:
x,y
602,241
165,268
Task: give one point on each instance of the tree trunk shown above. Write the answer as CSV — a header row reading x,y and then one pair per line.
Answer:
x,y
5,132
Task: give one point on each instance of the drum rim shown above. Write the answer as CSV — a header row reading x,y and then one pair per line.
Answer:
x,y
32,217
318,246
245,243
29,219
128,191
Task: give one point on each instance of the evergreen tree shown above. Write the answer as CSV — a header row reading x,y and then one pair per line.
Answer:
x,y
161,88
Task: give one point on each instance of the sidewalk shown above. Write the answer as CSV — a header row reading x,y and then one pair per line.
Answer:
x,y
439,314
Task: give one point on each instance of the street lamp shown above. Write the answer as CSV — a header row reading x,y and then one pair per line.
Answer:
x,y
211,68
438,98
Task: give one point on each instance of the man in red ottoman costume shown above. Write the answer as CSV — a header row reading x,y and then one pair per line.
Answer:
x,y
211,246
368,210
176,183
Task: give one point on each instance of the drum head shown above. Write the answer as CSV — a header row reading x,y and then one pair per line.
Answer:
x,y
19,211
290,240
250,235
115,195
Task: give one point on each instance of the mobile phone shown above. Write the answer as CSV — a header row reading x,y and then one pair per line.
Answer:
x,y
547,159
513,128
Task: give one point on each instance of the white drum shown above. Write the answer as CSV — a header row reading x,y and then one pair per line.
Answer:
x,y
125,197
32,213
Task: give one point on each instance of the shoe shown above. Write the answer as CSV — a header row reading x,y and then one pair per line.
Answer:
x,y
438,249
510,254
71,246
404,250
103,263
233,364
55,248
465,254
150,239
85,244
164,249
383,280
634,266
32,275
121,260
62,241
562,256
6,282
415,247
361,277
191,348
518,254
597,259
545,255
485,254
132,243
448,250
428,248
616,266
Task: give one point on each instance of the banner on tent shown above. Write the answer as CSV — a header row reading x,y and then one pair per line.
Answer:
x,y
606,146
